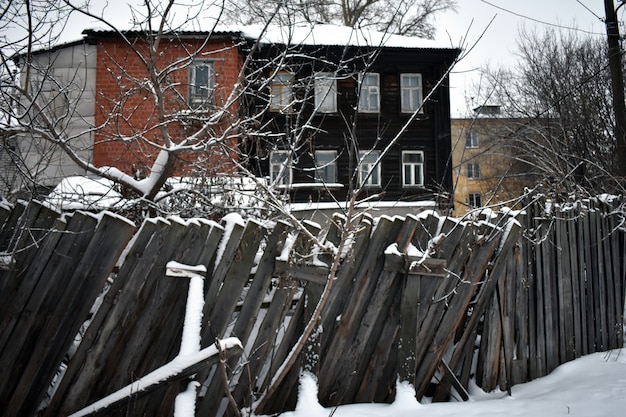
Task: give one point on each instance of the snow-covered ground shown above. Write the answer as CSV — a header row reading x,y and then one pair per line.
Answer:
x,y
594,385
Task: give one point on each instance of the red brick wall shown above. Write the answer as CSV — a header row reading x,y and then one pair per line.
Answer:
x,y
125,104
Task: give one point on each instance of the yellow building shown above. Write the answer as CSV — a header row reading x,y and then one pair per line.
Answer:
x,y
487,170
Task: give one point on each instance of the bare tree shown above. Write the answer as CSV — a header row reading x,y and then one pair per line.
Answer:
x,y
559,95
404,17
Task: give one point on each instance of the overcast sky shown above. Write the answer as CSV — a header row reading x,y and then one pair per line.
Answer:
x,y
498,44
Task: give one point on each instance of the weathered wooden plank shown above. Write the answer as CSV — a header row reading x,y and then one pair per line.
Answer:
x,y
262,352
591,271
314,274
286,395
247,316
522,342
550,298
27,334
457,307
82,287
13,301
358,345
344,287
601,293
581,265
11,226
576,276
155,382
346,321
607,264
79,365
381,374
564,285
172,294
235,279
215,279
617,279
131,326
465,346
488,368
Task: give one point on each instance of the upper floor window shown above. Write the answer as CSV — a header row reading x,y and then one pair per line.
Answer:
x,y
280,167
369,93
201,83
281,91
410,92
369,170
471,139
326,166
412,168
325,92
473,170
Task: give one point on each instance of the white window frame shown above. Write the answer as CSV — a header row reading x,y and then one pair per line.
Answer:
x,y
471,139
281,91
369,92
412,172
325,92
411,96
196,98
367,163
325,166
473,170
471,200
276,167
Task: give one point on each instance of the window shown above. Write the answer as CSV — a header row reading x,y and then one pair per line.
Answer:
x,y
471,139
325,92
281,91
474,200
326,166
411,92
412,168
368,165
473,170
201,84
280,169
369,97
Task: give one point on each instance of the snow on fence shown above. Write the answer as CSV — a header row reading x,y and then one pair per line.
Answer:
x,y
419,298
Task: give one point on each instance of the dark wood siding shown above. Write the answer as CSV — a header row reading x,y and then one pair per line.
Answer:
x,y
345,130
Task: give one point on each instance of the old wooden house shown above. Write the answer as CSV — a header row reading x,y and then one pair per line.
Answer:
x,y
338,99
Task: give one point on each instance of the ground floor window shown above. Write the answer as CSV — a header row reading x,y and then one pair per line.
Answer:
x,y
412,168
474,200
369,170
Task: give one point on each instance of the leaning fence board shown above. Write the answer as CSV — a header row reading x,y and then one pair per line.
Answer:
x,y
347,323
42,303
457,306
82,286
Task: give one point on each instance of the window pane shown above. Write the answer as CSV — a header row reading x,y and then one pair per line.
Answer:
x,y
281,91
201,83
411,92
325,92
325,166
368,165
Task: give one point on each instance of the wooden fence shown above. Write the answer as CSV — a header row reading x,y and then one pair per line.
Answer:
x,y
516,295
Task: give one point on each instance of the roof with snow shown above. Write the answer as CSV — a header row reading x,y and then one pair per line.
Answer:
x,y
299,34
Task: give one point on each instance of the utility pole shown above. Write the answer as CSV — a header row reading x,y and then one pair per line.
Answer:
x,y
617,83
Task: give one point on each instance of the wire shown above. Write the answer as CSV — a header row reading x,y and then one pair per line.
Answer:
x,y
590,11
540,21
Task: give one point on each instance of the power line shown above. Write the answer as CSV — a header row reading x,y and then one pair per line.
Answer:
x,y
543,22
590,11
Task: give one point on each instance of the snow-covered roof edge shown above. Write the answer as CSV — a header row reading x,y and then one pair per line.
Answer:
x,y
321,34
